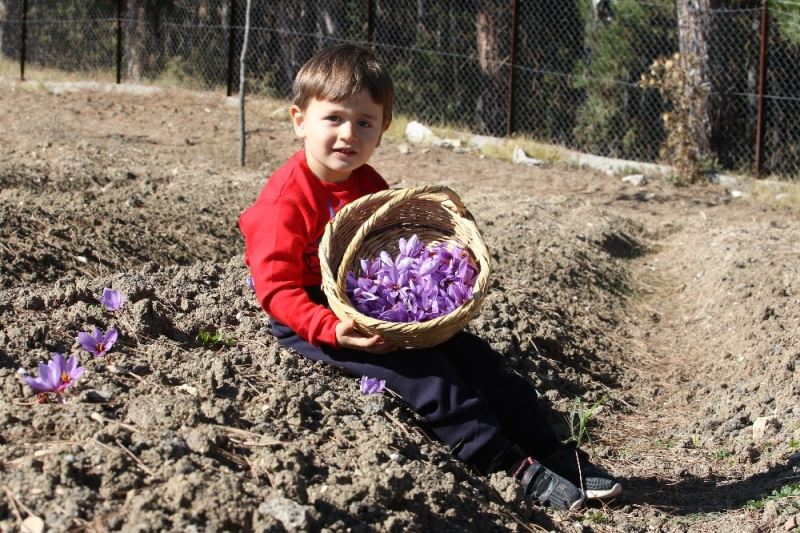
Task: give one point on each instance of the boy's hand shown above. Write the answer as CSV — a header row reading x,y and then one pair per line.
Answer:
x,y
348,337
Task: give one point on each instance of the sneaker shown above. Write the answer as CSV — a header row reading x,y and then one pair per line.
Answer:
x,y
540,483
597,483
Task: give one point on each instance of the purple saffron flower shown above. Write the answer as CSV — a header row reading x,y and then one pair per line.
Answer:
x,y
55,376
372,385
250,283
421,283
112,299
98,343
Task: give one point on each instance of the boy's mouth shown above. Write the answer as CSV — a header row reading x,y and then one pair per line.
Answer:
x,y
345,151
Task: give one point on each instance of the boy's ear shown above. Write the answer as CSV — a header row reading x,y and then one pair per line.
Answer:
x,y
297,121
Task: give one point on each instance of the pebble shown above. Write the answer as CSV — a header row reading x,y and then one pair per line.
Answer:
x,y
765,426
635,179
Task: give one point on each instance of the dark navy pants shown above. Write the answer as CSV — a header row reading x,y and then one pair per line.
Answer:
x,y
461,388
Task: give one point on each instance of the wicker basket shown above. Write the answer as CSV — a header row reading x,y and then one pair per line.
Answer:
x,y
365,227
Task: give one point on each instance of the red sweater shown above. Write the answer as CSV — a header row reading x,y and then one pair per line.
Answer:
x,y
282,231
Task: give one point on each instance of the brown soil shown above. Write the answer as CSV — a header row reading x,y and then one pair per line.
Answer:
x,y
677,307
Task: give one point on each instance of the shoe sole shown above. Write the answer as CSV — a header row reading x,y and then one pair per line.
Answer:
x,y
603,494
578,504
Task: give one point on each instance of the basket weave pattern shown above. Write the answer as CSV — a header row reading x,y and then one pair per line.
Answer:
x,y
376,222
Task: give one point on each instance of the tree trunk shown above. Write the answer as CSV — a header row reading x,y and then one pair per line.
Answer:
x,y
143,24
493,20
331,21
694,25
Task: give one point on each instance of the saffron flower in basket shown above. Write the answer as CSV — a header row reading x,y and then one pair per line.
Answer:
x,y
421,283
371,386
55,376
98,343
112,299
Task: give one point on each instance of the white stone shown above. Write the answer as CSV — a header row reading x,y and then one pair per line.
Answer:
x,y
419,134
765,426
736,194
447,143
635,179
32,524
521,158
726,180
479,141
404,148
291,514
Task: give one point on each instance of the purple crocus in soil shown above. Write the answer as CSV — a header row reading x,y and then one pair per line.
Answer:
x,y
98,343
250,283
112,299
55,376
372,385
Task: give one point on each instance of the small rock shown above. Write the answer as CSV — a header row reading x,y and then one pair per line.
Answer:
x,y
765,427
521,158
479,141
93,396
418,134
724,180
136,200
771,511
32,524
291,514
447,143
404,149
635,179
790,524
736,194
201,440
397,457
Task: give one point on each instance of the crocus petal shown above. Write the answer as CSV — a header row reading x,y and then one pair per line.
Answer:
x,y
110,338
371,385
36,384
87,342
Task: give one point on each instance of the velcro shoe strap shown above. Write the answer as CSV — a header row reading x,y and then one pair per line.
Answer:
x,y
530,473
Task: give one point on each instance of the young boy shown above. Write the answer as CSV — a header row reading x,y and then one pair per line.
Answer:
x,y
488,416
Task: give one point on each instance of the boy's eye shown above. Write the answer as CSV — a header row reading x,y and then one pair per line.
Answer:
x,y
333,118
365,123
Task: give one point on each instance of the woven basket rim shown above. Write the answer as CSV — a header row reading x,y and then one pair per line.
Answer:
x,y
334,285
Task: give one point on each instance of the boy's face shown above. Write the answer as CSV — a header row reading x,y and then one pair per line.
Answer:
x,y
339,137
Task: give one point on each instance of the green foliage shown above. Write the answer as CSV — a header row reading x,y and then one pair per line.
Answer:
x,y
579,417
719,455
792,490
213,338
616,116
595,516
786,14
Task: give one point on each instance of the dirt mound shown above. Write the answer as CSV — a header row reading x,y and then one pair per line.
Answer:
x,y
675,308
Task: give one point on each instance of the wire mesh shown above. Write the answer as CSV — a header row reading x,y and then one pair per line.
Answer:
x,y
575,66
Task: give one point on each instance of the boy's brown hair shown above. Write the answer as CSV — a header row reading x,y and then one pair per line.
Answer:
x,y
341,72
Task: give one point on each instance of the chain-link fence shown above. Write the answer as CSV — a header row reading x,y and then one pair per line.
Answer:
x,y
562,72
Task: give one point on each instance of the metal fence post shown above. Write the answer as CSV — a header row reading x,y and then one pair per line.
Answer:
x,y
23,49
231,42
119,41
513,74
762,77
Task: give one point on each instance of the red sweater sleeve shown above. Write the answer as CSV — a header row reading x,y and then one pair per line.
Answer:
x,y
276,233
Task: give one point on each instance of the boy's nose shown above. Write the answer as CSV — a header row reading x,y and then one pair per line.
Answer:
x,y
347,130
